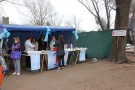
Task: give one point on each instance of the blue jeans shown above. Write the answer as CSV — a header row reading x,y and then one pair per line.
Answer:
x,y
60,60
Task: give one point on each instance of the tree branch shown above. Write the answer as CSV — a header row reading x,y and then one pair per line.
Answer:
x,y
2,0
87,8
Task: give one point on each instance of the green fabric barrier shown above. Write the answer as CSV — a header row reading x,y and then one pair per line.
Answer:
x,y
99,43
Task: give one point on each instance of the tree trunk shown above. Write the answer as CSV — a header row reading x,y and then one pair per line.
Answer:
x,y
118,54
133,20
107,13
129,41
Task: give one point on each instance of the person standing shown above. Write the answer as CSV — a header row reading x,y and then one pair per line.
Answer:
x,y
41,44
16,55
52,42
34,42
29,47
60,51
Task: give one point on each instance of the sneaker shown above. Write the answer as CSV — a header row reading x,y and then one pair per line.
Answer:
x,y
18,74
59,69
14,73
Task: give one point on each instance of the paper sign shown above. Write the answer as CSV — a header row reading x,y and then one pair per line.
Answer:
x,y
119,33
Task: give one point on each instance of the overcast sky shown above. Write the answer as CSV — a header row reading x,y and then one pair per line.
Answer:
x,y
65,8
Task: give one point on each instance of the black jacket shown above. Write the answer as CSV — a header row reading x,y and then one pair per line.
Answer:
x,y
42,45
60,48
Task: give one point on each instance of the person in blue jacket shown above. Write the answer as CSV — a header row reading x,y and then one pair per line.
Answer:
x,y
16,55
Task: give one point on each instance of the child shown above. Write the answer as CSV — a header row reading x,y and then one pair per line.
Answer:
x,y
16,55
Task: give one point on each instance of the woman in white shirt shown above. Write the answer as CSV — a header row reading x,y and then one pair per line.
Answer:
x,y
28,47
34,42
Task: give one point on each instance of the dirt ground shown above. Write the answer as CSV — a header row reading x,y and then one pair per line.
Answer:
x,y
85,76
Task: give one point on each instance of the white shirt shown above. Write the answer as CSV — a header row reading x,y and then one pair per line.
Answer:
x,y
29,46
36,46
52,44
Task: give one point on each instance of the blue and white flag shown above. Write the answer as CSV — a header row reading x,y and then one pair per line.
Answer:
x,y
76,35
4,33
47,34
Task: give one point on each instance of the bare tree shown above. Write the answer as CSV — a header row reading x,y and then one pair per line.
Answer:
x,y
76,22
109,6
39,10
55,19
118,54
11,2
93,6
132,15
68,23
131,26
42,12
103,22
132,23
73,22
2,0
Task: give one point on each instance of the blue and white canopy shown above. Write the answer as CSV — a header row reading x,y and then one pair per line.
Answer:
x,y
4,28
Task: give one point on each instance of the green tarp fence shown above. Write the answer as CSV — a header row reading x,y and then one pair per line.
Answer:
x,y
99,43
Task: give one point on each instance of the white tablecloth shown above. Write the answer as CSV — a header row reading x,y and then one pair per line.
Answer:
x,y
82,54
35,59
51,57
66,57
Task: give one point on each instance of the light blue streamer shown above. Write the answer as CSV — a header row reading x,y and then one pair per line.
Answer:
x,y
47,34
76,35
4,34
